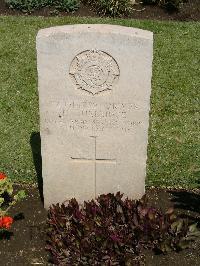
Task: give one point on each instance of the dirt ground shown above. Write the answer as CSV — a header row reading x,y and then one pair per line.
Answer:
x,y
189,11
25,245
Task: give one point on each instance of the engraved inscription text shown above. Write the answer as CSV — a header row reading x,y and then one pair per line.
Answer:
x,y
92,116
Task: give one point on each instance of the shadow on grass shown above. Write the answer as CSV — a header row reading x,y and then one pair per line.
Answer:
x,y
188,201
35,143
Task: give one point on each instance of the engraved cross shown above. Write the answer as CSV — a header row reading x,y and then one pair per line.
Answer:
x,y
94,160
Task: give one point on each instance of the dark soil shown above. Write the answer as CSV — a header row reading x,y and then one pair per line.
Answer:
x,y
26,244
189,11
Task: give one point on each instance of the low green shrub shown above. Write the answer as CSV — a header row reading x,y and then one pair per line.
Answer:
x,y
26,5
30,5
113,231
171,4
114,8
168,4
67,5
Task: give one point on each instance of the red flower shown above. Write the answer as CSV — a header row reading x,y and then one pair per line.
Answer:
x,y
5,222
2,176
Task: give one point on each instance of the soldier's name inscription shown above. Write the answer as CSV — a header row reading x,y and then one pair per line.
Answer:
x,y
93,116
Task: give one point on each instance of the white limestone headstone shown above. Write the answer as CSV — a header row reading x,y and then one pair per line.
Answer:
x,y
94,93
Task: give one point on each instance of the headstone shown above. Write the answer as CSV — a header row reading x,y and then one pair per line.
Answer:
x,y
94,93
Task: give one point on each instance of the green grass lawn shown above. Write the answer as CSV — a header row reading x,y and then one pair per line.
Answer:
x,y
174,135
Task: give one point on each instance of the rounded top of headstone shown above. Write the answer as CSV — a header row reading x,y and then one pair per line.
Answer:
x,y
99,28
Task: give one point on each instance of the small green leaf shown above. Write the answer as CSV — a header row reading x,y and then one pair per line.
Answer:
x,y
193,228
20,195
2,213
183,244
165,247
193,231
176,226
9,188
1,201
23,193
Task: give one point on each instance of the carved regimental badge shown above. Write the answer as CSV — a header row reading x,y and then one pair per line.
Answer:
x,y
94,71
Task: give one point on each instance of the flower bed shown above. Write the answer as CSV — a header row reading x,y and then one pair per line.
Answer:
x,y
7,200
189,10
113,230
26,244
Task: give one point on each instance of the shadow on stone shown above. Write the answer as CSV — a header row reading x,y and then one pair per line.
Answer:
x,y
35,143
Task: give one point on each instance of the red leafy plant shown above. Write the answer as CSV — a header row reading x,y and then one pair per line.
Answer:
x,y
7,199
113,231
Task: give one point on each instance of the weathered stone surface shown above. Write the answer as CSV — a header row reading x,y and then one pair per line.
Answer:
x,y
94,91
